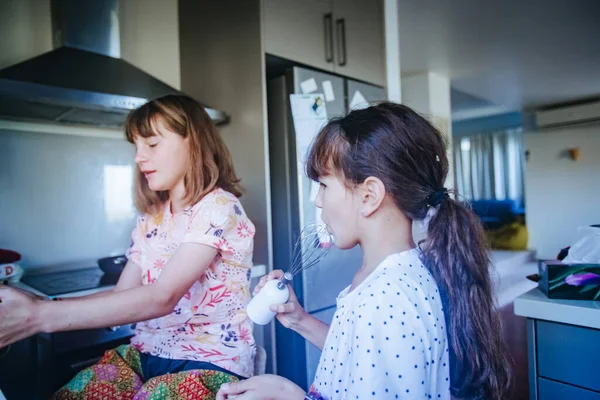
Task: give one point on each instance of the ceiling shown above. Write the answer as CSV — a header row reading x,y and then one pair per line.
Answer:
x,y
504,55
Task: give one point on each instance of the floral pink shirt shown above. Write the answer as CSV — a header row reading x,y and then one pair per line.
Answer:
x,y
209,323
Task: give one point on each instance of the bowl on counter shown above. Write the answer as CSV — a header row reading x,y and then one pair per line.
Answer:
x,y
10,270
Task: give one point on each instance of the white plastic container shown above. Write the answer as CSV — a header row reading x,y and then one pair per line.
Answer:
x,y
259,307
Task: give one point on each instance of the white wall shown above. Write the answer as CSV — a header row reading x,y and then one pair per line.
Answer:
x,y
149,34
54,187
25,30
428,93
226,71
65,198
150,38
222,64
561,194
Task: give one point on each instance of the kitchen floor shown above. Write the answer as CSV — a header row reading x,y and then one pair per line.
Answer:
x,y
511,270
515,334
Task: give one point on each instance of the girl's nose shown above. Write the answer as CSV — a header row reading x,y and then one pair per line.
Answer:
x,y
140,156
318,200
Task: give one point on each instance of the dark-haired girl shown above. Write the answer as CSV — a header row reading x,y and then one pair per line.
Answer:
x,y
418,321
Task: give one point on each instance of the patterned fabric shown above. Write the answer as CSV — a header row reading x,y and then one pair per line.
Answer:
x,y
210,322
118,376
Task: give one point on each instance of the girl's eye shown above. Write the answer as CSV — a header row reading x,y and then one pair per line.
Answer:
x,y
151,145
322,185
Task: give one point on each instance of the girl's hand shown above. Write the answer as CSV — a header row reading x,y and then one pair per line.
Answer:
x,y
270,387
18,315
290,314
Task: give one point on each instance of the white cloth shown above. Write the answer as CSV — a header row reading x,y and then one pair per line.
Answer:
x,y
388,337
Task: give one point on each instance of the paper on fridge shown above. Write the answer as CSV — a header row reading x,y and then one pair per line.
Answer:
x,y
309,115
328,91
358,101
309,86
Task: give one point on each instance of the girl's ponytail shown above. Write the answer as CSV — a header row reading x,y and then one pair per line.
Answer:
x,y
456,253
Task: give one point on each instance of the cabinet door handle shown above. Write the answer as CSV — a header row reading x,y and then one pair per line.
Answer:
x,y
341,41
328,36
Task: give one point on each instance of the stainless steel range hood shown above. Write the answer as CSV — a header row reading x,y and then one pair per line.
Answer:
x,y
82,81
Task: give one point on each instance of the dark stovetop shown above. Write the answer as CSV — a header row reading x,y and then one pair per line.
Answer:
x,y
64,282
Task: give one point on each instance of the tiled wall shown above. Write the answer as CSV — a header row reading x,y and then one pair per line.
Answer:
x,y
64,198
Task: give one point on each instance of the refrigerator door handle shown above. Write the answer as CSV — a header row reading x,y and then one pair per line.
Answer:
x,y
341,41
328,36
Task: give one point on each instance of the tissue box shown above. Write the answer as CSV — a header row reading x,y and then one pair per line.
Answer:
x,y
569,281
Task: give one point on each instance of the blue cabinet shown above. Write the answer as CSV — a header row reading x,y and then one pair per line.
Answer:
x,y
563,361
551,390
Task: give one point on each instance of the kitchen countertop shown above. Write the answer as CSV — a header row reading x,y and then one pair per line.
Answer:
x,y
21,285
256,272
535,304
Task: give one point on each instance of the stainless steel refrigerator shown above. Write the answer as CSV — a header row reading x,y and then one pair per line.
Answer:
x,y
292,208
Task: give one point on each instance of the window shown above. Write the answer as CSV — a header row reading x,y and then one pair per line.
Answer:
x,y
490,166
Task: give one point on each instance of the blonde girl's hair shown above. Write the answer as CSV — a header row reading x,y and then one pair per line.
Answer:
x,y
210,162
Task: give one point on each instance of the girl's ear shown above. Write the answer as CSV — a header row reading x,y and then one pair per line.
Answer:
x,y
372,195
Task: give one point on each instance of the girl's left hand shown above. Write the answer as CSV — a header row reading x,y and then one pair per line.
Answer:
x,y
271,387
18,315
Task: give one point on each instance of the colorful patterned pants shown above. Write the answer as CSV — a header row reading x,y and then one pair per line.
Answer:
x,y
119,376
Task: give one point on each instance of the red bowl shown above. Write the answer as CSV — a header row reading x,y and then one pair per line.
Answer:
x,y
9,256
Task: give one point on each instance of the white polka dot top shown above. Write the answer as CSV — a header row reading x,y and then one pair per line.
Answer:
x,y
387,339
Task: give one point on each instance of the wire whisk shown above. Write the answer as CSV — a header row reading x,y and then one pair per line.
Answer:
x,y
312,246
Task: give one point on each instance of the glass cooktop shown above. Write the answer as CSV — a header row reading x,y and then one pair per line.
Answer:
x,y
55,283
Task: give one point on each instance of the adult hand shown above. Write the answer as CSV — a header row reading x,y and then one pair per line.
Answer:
x,y
264,387
18,315
289,314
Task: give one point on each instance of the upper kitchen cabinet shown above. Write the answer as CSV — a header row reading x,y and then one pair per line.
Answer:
x,y
359,40
341,36
301,31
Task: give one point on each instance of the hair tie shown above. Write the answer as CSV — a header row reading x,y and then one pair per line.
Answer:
x,y
436,198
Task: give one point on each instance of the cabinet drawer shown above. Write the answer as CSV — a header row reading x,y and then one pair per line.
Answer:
x,y
18,370
550,390
569,354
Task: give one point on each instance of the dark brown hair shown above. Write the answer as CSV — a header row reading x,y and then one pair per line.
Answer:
x,y
401,148
210,162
